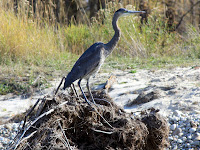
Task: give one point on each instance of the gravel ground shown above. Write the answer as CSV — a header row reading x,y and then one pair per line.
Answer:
x,y
184,130
7,133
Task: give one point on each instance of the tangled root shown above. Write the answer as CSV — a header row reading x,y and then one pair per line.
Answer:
x,y
66,122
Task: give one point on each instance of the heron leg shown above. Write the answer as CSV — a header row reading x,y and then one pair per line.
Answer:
x,y
79,84
88,87
74,90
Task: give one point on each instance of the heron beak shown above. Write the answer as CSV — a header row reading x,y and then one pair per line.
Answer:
x,y
136,12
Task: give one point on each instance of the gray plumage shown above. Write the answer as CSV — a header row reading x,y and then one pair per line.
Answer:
x,y
91,60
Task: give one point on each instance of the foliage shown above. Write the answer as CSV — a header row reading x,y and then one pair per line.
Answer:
x,y
38,46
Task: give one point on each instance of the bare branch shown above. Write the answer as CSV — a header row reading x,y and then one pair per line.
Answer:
x,y
68,145
30,112
179,23
100,131
44,114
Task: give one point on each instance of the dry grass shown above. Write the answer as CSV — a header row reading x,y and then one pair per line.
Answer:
x,y
32,44
22,40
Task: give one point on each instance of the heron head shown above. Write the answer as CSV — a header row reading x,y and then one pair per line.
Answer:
x,y
125,12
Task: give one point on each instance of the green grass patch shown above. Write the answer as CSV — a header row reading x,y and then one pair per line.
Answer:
x,y
12,87
132,71
4,109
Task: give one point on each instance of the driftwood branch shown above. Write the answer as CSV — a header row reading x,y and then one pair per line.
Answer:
x,y
32,123
30,112
100,131
181,19
68,145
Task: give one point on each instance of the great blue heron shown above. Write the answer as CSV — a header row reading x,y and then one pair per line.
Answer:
x,y
91,60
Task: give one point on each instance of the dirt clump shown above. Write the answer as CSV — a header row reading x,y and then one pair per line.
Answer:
x,y
67,122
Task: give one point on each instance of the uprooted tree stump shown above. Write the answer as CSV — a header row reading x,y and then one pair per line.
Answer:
x,y
67,122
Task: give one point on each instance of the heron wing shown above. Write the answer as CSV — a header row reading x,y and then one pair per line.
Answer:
x,y
87,62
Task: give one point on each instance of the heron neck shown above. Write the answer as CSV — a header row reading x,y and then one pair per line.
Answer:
x,y
113,42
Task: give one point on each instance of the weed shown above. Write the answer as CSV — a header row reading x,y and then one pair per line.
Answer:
x,y
12,87
4,109
132,71
4,89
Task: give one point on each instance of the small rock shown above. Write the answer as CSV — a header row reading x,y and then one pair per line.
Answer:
x,y
177,131
179,141
197,138
197,111
193,124
173,127
170,138
181,123
172,78
183,118
198,128
4,140
15,127
190,141
155,80
184,138
176,136
180,134
188,123
196,143
7,126
189,137
177,113
188,145
175,147
187,128
1,146
176,119
197,134
192,130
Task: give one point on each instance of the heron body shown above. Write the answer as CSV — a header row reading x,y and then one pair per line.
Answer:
x,y
93,57
91,60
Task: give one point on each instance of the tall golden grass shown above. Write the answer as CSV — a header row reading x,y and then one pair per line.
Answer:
x,y
38,39
22,40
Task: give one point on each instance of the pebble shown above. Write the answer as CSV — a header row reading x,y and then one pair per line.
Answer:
x,y
155,80
184,138
197,138
192,130
196,143
189,137
7,134
187,145
184,130
173,127
177,113
179,141
170,138
193,124
177,131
